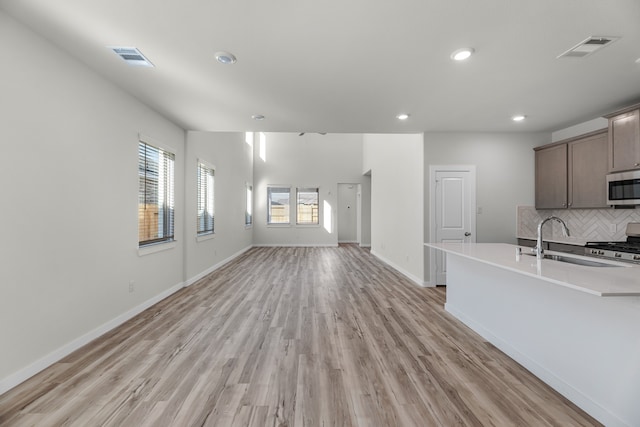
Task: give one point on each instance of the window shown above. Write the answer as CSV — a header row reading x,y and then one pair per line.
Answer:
x,y
278,205
155,194
248,212
205,199
307,206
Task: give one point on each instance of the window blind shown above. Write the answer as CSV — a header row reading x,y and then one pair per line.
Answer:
x,y
205,199
155,194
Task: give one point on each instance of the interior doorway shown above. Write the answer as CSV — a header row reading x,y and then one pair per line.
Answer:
x,y
452,212
348,215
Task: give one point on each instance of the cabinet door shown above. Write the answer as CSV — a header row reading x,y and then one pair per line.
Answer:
x,y
587,172
624,141
551,177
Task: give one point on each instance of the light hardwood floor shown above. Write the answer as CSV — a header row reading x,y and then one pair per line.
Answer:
x,y
291,337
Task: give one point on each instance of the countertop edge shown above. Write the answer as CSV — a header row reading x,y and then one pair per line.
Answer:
x,y
579,288
557,240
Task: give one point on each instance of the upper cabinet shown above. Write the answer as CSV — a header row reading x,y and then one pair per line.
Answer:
x,y
571,173
587,171
551,177
624,139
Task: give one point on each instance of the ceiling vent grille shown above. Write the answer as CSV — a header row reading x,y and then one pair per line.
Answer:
x,y
132,56
588,46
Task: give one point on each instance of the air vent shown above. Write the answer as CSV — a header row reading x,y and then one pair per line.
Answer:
x,y
588,46
132,56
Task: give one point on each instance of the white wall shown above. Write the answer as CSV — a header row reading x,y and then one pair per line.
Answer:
x,y
397,218
311,160
505,177
69,179
232,158
580,129
505,174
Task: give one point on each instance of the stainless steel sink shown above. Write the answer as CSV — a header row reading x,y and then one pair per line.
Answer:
x,y
577,261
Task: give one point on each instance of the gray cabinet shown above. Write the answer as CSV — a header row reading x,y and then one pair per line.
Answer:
x,y
587,171
624,140
571,173
551,177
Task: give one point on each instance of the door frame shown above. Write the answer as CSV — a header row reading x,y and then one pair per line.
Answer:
x,y
433,169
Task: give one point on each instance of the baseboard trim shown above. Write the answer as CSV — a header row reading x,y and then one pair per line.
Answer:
x,y
401,270
27,372
213,268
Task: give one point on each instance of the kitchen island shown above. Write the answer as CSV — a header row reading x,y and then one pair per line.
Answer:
x,y
577,328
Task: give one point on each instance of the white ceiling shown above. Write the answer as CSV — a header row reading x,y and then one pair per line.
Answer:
x,y
351,66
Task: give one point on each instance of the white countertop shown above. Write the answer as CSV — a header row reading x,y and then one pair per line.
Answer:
x,y
600,281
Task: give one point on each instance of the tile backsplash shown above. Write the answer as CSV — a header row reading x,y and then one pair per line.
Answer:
x,y
586,225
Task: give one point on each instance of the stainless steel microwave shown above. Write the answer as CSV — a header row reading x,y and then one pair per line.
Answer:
x,y
623,188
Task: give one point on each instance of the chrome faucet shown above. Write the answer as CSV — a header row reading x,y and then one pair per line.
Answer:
x,y
565,232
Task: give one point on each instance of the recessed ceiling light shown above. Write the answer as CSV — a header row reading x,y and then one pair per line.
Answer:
x,y
258,117
518,118
462,54
402,116
225,57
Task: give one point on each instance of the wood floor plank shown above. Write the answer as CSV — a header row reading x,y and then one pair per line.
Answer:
x,y
291,337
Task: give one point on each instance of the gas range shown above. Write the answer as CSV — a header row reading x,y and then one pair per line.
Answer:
x,y
628,250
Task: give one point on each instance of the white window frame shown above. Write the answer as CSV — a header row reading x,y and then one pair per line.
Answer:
x,y
306,189
167,242
278,224
248,208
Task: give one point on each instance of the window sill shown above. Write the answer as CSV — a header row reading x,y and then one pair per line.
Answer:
x,y
156,247
308,225
248,226
204,237
278,225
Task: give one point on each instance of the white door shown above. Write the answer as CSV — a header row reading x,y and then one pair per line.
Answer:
x,y
455,219
348,213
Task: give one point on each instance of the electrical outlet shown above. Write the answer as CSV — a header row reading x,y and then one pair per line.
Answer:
x,y
132,286
613,228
